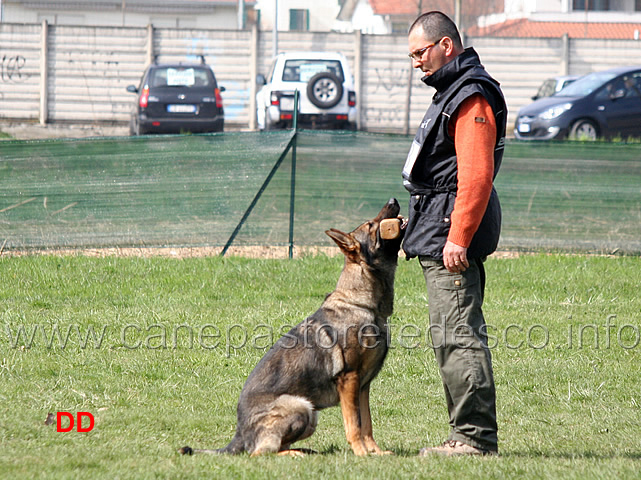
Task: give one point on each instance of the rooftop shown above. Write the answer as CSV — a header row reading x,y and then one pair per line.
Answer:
x,y
529,28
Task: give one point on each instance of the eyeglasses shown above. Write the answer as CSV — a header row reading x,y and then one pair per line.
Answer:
x,y
418,54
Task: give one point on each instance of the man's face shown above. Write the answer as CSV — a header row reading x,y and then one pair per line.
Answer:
x,y
432,58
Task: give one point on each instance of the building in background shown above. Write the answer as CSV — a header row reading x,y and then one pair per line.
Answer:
x,y
615,19
395,16
298,15
505,18
619,19
213,14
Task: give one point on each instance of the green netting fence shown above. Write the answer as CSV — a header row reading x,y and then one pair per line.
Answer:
x,y
194,190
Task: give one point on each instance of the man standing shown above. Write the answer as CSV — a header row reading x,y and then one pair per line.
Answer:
x,y
454,222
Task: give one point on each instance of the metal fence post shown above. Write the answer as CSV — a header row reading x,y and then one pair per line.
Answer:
x,y
257,197
292,195
292,188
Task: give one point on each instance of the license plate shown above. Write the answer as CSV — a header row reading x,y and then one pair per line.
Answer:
x,y
524,128
287,103
181,108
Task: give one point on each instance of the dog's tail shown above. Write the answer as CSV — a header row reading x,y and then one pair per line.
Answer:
x,y
235,447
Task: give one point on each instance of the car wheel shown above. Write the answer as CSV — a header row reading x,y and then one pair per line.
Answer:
x,y
325,90
584,130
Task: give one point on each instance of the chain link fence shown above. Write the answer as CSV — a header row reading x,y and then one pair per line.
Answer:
x,y
194,190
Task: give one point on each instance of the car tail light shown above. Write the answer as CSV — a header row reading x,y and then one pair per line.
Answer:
x,y
286,116
341,117
274,99
144,97
351,99
219,99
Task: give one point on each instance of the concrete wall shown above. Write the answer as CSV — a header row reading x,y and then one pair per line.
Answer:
x,y
54,73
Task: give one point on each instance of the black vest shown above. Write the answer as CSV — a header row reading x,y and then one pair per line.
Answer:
x,y
430,171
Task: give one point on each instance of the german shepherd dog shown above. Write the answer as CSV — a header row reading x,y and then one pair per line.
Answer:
x,y
329,358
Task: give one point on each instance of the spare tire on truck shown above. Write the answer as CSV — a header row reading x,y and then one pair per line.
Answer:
x,y
325,90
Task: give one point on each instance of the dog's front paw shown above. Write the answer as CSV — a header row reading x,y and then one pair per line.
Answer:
x,y
186,451
384,452
374,449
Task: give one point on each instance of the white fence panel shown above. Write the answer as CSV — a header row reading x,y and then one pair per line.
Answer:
x,y
20,71
588,55
227,51
520,66
89,70
386,74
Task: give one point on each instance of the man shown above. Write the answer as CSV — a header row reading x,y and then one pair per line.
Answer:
x,y
454,222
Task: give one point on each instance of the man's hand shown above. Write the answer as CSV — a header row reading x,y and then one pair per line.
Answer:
x,y
455,258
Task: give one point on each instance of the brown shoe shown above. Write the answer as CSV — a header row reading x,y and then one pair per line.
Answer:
x,y
452,448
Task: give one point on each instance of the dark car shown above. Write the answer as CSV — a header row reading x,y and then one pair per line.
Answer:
x,y
177,98
602,104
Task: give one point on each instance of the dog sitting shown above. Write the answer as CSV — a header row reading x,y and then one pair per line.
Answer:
x,y
329,358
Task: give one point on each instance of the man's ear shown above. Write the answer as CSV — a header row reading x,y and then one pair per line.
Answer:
x,y
448,45
343,240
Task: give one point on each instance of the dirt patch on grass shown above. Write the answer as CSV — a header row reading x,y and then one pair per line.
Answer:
x,y
182,252
271,252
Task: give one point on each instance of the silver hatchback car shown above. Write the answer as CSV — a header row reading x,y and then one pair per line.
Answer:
x,y
553,85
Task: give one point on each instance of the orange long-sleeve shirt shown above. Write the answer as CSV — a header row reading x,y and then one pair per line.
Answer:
x,y
473,128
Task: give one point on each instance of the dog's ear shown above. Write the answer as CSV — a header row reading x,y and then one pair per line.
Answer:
x,y
343,240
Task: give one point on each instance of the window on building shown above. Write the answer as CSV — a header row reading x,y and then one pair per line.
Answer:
x,y
637,5
592,5
401,27
299,19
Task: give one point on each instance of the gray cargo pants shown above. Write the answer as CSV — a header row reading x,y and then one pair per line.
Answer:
x,y
459,338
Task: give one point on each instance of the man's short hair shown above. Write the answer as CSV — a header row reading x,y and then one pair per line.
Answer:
x,y
437,25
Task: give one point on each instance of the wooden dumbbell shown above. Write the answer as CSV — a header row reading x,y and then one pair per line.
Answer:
x,y
390,228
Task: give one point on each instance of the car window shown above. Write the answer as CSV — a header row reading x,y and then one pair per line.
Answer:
x,y
180,77
547,88
270,75
301,70
632,84
586,84
565,83
627,86
615,89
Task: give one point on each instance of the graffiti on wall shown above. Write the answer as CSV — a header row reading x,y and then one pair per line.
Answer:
x,y
12,69
390,84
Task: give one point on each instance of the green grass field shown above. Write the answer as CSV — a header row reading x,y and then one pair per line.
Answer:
x,y
175,339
